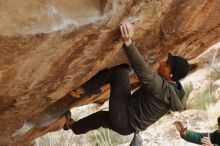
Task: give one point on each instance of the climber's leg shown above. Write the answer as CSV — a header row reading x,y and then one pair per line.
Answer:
x,y
93,85
119,96
92,122
117,117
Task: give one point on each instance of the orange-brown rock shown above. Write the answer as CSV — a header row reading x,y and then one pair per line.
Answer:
x,y
49,47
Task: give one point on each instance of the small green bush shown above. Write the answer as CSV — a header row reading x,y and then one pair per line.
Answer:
x,y
202,101
188,89
101,137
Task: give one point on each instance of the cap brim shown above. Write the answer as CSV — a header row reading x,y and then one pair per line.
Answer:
x,y
170,60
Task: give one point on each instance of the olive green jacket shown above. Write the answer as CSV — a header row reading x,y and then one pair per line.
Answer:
x,y
196,137
155,97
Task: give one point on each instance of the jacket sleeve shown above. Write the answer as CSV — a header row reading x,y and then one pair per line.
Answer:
x,y
144,72
193,137
177,99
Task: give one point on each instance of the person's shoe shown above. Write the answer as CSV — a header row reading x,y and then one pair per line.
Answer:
x,y
77,93
69,121
74,94
80,92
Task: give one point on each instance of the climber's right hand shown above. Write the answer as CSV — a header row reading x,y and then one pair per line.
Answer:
x,y
180,127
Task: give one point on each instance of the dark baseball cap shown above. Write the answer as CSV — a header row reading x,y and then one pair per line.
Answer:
x,y
179,67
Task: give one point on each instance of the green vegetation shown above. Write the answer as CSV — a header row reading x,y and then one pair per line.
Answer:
x,y
101,137
106,137
188,89
202,101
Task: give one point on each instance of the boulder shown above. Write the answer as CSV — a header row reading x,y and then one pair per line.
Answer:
x,y
48,48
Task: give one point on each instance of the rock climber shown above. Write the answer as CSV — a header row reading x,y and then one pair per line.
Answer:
x,y
129,113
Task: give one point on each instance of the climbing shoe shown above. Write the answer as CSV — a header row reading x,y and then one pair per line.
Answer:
x,y
74,94
80,92
69,121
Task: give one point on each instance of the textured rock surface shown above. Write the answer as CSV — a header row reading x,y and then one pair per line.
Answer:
x,y
48,48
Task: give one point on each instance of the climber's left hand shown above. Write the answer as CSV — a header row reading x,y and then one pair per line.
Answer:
x,y
127,32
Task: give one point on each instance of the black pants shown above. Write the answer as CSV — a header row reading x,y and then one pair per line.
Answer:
x,y
117,116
